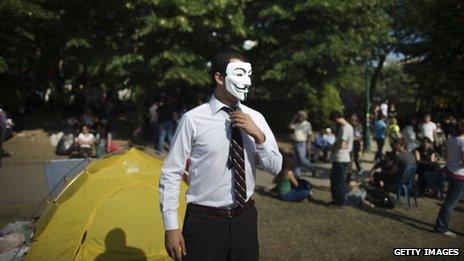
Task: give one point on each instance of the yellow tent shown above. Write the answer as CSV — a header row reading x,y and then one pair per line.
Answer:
x,y
108,212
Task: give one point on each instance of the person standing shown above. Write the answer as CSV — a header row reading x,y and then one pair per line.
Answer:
x,y
153,114
384,108
449,125
380,129
223,141
3,118
392,110
393,131
455,171
166,123
301,137
428,128
340,159
357,143
409,135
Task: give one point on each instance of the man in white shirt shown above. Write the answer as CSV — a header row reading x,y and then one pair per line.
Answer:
x,y
340,159
301,137
384,108
428,128
223,141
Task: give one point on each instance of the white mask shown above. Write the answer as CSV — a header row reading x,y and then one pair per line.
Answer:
x,y
238,79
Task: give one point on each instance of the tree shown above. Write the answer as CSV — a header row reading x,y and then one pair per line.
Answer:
x,y
307,45
22,24
431,37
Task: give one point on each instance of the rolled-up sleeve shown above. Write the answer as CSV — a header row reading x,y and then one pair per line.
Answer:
x,y
268,152
172,171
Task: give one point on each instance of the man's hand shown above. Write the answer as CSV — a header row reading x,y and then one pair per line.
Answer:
x,y
174,243
244,121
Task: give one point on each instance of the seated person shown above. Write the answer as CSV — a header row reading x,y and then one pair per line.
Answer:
x,y
324,141
289,187
104,140
357,195
85,142
319,145
393,166
426,162
436,181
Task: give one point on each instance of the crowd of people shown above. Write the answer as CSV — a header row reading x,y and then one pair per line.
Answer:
x,y
164,115
434,152
86,136
6,130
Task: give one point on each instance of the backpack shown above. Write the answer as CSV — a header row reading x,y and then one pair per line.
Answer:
x,y
380,198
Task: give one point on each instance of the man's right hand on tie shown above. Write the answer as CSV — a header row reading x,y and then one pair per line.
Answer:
x,y
175,245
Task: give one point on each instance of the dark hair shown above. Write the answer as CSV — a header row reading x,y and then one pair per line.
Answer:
x,y
287,165
335,115
381,117
287,162
401,142
220,60
426,140
459,129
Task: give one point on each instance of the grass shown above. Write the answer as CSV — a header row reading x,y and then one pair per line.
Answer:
x,y
311,230
289,231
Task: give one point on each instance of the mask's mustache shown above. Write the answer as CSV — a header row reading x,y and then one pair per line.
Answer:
x,y
244,88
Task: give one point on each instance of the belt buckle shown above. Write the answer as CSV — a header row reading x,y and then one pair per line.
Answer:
x,y
229,213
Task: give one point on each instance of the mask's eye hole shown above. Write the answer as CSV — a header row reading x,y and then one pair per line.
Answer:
x,y
239,74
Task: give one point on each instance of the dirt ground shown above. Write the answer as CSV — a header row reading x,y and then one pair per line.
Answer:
x,y
287,231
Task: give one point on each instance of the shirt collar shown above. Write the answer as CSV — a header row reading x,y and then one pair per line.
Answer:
x,y
216,105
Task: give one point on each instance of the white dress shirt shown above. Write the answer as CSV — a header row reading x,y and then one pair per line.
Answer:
x,y
203,136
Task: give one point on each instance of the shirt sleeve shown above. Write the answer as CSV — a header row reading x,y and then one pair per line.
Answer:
x,y
268,152
309,129
172,171
344,135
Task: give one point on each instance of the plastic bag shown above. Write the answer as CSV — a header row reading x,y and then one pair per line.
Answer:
x,y
11,241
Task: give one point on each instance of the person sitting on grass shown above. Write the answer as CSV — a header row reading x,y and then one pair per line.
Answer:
x,y
289,187
358,195
85,142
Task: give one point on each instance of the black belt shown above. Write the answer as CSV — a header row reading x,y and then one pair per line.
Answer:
x,y
221,212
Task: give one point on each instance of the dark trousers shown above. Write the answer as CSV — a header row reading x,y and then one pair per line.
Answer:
x,y
356,159
380,144
209,237
455,189
338,176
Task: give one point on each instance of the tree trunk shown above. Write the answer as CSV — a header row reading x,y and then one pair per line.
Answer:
x,y
376,75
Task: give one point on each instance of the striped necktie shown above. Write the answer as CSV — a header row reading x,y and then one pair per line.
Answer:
x,y
237,160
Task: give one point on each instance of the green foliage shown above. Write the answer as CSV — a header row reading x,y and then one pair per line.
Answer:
x,y
3,65
307,50
310,43
431,35
321,104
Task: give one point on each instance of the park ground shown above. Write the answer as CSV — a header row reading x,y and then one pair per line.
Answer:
x,y
287,231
